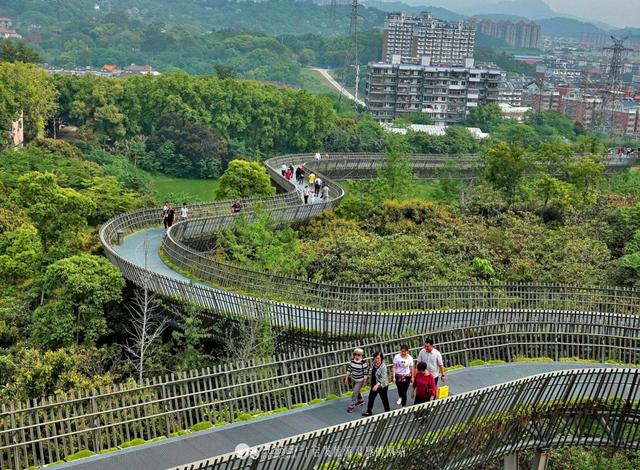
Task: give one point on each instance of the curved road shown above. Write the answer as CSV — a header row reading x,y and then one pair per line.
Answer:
x,y
177,452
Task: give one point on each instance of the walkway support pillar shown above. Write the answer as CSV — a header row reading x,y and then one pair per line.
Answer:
x,y
511,461
540,460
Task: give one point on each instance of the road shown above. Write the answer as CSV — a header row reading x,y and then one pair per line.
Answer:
x,y
327,76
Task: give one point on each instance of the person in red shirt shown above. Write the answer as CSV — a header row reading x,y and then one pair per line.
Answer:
x,y
424,386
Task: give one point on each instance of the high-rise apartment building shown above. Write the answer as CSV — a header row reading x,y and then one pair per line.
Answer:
x,y
413,37
445,93
520,34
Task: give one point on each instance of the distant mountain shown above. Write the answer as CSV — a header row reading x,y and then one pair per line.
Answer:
x,y
533,9
438,12
501,17
567,27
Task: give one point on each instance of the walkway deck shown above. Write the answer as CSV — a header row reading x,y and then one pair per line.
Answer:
x,y
180,451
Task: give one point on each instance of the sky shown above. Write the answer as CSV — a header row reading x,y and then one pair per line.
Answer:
x,y
619,13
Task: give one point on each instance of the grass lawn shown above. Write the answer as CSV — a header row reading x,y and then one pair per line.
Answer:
x,y
179,190
315,83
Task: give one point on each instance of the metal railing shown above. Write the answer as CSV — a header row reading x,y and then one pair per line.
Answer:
x,y
326,308
593,407
46,430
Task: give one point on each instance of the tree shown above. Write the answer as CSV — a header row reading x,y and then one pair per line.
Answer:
x,y
223,72
259,243
20,254
25,88
189,338
586,175
202,150
147,326
504,167
420,118
485,117
77,292
244,179
58,213
396,171
17,51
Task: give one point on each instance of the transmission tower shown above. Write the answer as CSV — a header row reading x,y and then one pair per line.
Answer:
x,y
613,81
353,32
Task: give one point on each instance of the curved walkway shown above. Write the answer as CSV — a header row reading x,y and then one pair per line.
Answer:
x,y
198,447
324,308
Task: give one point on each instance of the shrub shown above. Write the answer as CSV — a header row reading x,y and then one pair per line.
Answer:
x,y
316,401
201,426
298,405
477,362
79,455
332,396
110,449
244,417
134,442
181,432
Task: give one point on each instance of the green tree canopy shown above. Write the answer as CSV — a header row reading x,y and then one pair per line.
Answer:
x,y
58,213
77,290
244,179
25,88
504,167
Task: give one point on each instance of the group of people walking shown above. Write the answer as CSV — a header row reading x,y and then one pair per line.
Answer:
x,y
422,378
312,186
169,214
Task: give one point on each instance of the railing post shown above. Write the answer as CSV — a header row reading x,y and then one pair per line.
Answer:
x,y
97,442
464,345
510,462
285,373
14,437
163,398
540,460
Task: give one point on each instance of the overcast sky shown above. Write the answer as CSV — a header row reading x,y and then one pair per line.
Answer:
x,y
614,12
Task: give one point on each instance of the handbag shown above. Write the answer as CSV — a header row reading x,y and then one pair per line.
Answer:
x,y
443,392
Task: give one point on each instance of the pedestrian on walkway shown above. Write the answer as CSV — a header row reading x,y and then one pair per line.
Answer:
x,y
324,193
236,206
312,179
424,385
170,216
306,193
288,174
433,359
357,371
402,373
318,156
184,212
317,186
379,384
165,209
283,169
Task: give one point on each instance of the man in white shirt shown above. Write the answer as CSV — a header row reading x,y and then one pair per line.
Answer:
x,y
433,359
184,212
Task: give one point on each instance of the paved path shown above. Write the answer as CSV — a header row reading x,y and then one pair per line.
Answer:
x,y
201,446
327,76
